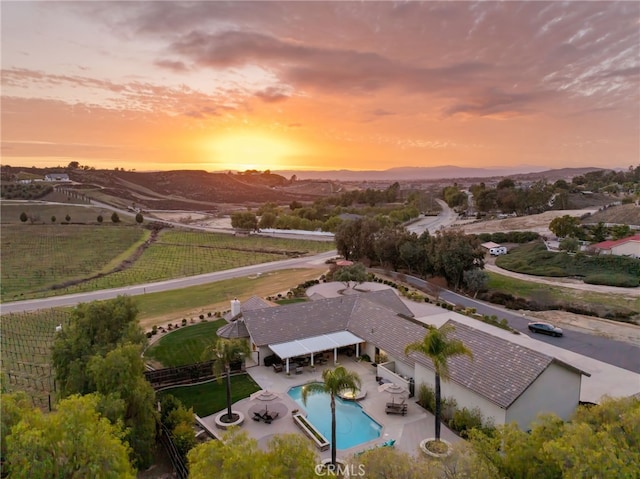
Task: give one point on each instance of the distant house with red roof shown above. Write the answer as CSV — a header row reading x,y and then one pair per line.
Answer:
x,y
629,246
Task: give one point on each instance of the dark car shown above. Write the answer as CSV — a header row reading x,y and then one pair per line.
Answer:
x,y
545,328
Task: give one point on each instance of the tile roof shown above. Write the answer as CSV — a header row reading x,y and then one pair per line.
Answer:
x,y
500,370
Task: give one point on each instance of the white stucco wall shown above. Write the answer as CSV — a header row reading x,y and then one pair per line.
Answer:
x,y
556,390
463,396
630,248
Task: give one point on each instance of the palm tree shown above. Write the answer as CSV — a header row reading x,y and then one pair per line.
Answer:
x,y
437,346
225,352
335,381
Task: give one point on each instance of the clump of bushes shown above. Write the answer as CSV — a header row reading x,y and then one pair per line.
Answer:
x,y
613,279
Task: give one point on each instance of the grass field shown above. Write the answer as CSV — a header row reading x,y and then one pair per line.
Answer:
x,y
534,259
212,297
185,345
544,293
44,260
210,397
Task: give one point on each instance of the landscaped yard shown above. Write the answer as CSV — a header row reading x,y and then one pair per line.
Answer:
x,y
186,345
211,397
534,259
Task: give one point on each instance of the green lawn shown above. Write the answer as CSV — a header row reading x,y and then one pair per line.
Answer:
x,y
210,397
186,345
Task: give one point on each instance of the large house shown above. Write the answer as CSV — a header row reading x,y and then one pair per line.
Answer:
x,y
629,246
505,381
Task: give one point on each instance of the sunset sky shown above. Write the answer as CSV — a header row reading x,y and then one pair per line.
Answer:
x,y
320,85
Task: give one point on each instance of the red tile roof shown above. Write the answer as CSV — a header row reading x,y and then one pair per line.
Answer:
x,y
611,243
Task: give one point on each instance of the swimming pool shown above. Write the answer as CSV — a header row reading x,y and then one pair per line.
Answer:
x,y
353,425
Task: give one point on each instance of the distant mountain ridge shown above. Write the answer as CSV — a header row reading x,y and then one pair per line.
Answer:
x,y
408,173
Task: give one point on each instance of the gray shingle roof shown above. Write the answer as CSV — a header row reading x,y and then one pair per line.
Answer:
x,y
233,330
253,303
313,318
298,320
380,326
500,370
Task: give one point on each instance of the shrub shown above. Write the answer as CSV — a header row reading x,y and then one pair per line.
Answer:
x,y
613,279
67,218
23,217
466,419
201,316
115,218
427,397
100,219
209,314
184,321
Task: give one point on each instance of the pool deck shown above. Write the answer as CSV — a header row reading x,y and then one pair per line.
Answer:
x,y
407,430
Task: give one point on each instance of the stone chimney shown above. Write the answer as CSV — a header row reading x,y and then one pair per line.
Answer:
x,y
235,307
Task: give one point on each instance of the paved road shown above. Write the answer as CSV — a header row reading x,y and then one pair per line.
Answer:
x,y
613,352
73,299
433,223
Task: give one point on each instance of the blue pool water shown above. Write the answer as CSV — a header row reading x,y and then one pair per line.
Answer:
x,y
353,425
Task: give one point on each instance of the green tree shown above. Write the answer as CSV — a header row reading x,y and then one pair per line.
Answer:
x,y
356,273
454,253
225,352
139,218
237,455
244,220
74,442
475,280
439,347
570,244
24,217
119,375
95,328
564,226
599,441
620,231
355,239
267,220
335,381
13,406
115,218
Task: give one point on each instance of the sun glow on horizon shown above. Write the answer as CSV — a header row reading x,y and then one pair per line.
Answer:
x,y
251,151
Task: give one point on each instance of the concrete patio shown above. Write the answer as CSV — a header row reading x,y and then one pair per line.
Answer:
x,y
407,430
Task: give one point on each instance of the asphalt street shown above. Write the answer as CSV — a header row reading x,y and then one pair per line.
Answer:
x,y
610,351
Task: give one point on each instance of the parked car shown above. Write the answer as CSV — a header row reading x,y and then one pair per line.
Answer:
x,y
545,328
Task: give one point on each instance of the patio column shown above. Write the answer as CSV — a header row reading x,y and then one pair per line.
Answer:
x,y
357,350
311,359
335,356
287,361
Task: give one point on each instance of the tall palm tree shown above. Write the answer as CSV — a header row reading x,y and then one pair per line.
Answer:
x,y
335,381
437,346
225,352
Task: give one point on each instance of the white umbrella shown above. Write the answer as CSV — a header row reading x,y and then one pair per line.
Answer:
x,y
265,395
392,389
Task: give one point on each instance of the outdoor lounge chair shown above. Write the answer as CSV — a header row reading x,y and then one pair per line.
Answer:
x,y
389,443
268,417
277,367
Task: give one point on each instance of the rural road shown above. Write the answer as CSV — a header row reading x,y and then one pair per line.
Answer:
x,y
617,353
433,223
73,299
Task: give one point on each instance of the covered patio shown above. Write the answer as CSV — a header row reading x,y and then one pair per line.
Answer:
x,y
315,344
